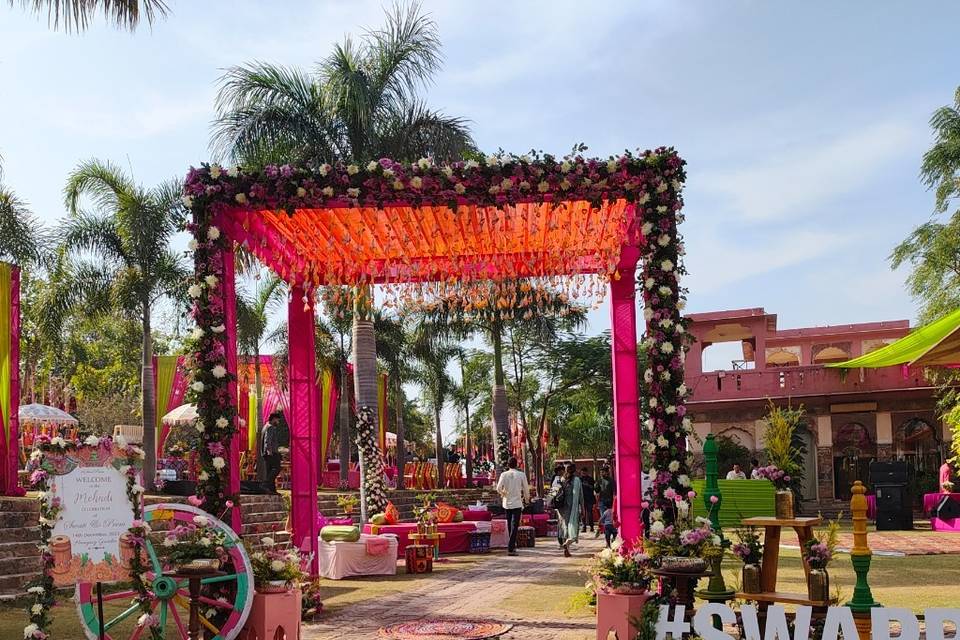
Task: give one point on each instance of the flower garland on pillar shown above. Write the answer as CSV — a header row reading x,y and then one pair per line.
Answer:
x,y
210,379
375,490
50,455
666,340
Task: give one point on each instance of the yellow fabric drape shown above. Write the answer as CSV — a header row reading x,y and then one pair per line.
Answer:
x,y
254,408
166,371
6,402
382,410
326,384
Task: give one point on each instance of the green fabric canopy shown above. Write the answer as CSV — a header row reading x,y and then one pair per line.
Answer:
x,y
938,343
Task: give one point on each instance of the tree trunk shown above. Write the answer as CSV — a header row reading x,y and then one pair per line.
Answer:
x,y
466,411
365,355
258,386
499,398
401,441
440,467
343,414
149,404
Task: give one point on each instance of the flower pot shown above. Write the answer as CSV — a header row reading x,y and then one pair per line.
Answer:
x,y
783,505
818,585
198,566
683,565
273,586
628,589
750,578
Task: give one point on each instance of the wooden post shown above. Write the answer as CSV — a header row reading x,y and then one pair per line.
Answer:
x,y
860,556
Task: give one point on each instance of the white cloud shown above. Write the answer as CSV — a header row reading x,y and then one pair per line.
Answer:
x,y
798,180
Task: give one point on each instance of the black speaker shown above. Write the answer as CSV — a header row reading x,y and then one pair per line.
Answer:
x,y
894,508
179,488
888,472
253,487
947,508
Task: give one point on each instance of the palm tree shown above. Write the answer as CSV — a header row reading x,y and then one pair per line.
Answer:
x,y
393,348
473,371
253,318
363,102
119,255
432,351
76,15
21,234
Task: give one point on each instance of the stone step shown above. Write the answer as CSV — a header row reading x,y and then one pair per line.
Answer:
x,y
12,566
16,584
23,534
25,550
266,516
29,505
16,520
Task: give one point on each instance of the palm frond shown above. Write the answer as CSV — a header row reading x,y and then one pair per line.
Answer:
x,y
76,15
97,234
412,130
347,82
106,184
21,234
404,54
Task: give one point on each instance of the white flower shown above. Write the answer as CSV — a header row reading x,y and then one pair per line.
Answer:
x,y
35,591
665,375
197,386
649,284
195,291
92,441
204,476
448,172
353,192
267,541
459,188
682,390
137,488
565,166
327,192
671,409
201,521
213,233
666,323
661,187
29,630
665,290
206,542
218,329
219,371
211,280
715,540
471,164
492,160
222,422
36,609
683,507
353,169
662,442
187,201
200,426
618,561
646,228
388,173
663,240
647,314
648,376
644,199
653,402
241,198
192,245
416,182
197,333
674,466
372,165
687,423
215,171
657,527
233,172
666,347
398,185
124,469
219,463
324,169
611,166
143,620
277,565
424,163
666,265
684,480
656,514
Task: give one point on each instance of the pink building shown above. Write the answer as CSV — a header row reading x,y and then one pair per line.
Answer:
x,y
853,416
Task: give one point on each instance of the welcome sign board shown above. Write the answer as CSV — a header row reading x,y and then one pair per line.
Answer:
x,y
90,539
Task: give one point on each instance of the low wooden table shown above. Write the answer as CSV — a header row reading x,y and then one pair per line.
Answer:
x,y
685,583
194,630
771,558
429,538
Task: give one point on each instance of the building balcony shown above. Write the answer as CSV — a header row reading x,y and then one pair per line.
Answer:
x,y
798,382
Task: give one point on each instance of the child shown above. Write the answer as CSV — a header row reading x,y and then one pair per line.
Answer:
x,y
609,526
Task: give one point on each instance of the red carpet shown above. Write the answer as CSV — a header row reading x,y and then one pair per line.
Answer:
x,y
444,630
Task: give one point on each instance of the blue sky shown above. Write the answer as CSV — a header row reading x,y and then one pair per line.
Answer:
x,y
803,124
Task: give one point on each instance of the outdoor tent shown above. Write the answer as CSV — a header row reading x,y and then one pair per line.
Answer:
x,y
937,344
44,414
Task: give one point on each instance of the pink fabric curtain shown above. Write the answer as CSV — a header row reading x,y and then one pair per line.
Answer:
x,y
177,393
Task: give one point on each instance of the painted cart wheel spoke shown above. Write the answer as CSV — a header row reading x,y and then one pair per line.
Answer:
x,y
229,596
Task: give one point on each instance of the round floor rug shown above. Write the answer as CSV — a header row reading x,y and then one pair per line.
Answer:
x,y
444,630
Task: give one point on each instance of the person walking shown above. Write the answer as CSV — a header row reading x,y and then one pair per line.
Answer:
x,y
270,449
608,522
570,501
589,499
606,488
514,493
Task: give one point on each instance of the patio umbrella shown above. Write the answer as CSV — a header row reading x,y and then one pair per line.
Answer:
x,y
44,414
184,414
936,344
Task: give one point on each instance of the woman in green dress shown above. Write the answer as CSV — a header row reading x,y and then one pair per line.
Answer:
x,y
568,515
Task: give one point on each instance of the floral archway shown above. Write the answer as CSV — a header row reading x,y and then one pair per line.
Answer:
x,y
420,229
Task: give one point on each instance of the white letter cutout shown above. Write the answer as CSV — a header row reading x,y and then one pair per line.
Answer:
x,y
703,621
676,627
880,618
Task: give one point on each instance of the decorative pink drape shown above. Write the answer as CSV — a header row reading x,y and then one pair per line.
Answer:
x,y
230,319
10,440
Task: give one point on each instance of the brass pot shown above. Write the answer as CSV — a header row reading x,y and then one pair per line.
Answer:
x,y
750,578
199,566
783,505
818,585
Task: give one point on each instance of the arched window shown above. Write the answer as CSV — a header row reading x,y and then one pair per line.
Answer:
x,y
916,442
782,358
830,354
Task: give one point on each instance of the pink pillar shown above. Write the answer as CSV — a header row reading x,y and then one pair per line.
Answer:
x,y
304,422
230,320
626,402
9,482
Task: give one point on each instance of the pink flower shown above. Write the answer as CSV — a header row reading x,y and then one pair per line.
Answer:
x,y
714,499
670,493
229,504
195,501
644,505
691,494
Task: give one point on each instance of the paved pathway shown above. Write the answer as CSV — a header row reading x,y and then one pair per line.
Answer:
x,y
472,593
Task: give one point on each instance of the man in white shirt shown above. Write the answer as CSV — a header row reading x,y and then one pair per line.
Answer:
x,y
755,471
736,473
515,492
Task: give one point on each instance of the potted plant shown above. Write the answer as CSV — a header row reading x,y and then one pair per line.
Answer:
x,y
424,512
685,544
621,571
348,502
817,553
196,547
750,551
275,570
783,499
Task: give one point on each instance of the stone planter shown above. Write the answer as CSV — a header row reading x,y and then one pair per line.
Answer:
x,y
682,564
818,585
750,578
783,505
